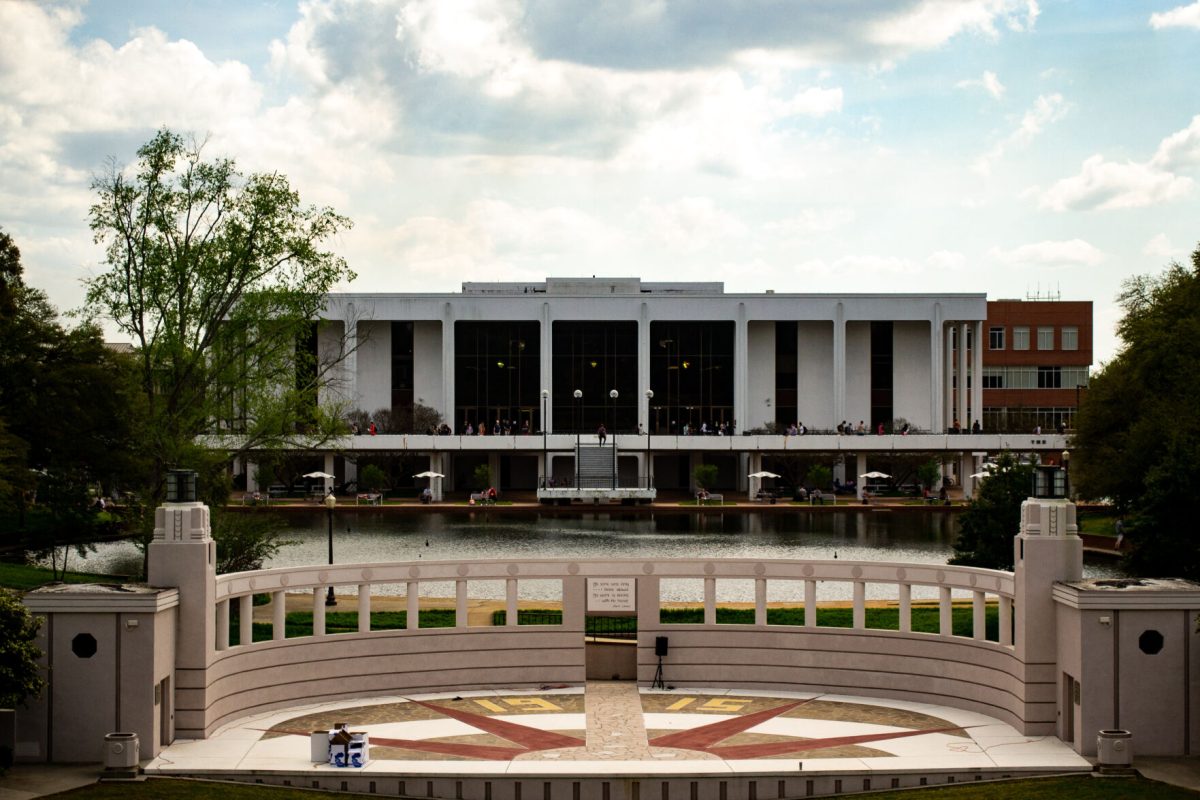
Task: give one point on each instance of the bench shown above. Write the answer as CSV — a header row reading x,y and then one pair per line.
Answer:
x,y
718,499
370,498
482,499
277,491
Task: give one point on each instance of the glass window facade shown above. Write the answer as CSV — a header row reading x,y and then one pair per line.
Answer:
x,y
496,375
1070,338
1045,338
691,373
1021,337
996,338
595,358
882,381
786,376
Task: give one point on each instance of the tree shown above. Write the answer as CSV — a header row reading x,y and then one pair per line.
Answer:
x,y
20,673
217,277
482,477
819,476
371,478
705,475
986,529
929,473
68,417
1137,439
246,539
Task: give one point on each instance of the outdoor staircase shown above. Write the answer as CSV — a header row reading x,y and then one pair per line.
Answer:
x,y
595,466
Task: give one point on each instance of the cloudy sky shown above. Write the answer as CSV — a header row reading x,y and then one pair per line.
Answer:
x,y
998,146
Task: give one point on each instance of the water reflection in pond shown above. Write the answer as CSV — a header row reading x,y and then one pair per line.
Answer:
x,y
909,536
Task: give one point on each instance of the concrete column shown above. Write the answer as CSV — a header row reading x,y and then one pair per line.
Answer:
x,y
351,469
810,604
965,471
945,611
278,616
979,615
644,366
860,605
710,601
329,470
947,376
977,375
935,369
245,620
741,369
1006,628
183,555
448,400
545,361
754,465
364,608
859,469
905,607
251,477
413,604
494,466
460,604
962,376
760,601
222,625
510,602
839,364
350,358
318,610
1047,550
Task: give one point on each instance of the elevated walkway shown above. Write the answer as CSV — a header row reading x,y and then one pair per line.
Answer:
x,y
597,480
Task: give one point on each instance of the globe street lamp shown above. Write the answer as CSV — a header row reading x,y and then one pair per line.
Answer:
x,y
614,394
1066,462
578,395
545,462
330,504
649,397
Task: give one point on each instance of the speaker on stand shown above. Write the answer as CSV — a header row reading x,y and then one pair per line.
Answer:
x,y
660,650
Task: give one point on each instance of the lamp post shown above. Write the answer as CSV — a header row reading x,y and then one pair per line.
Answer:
x,y
614,394
649,397
578,395
545,460
330,504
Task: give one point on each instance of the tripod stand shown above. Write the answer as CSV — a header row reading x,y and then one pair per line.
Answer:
x,y
658,683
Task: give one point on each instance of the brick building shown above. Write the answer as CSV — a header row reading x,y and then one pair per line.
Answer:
x,y
1036,363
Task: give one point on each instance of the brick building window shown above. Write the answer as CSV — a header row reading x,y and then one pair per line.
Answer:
x,y
1045,338
1021,338
996,338
1070,338
1049,378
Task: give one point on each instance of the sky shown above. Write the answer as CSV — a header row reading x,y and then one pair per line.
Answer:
x,y
1011,147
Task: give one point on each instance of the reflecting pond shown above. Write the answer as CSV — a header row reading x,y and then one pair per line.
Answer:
x,y
918,536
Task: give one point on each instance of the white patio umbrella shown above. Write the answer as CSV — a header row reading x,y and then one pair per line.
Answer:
x,y
322,475
874,474
763,474
429,474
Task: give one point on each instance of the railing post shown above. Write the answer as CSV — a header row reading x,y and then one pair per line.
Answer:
x,y
318,594
510,602
860,605
906,608
460,603
223,624
810,604
710,601
979,615
413,598
245,620
760,601
278,616
1006,621
364,608
945,612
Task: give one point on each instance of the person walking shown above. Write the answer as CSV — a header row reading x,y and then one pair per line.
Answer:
x,y
601,434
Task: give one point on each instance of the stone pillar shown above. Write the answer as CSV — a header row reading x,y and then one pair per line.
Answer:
x,y
329,470
741,369
977,376
350,358
448,405
965,469
1047,550
251,477
545,361
935,369
351,469
961,413
859,468
183,555
839,364
494,466
948,376
643,363
754,465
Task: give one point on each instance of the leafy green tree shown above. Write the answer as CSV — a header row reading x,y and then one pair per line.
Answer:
x,y
705,475
1137,439
217,278
245,540
371,478
20,674
482,477
68,417
986,529
929,473
819,477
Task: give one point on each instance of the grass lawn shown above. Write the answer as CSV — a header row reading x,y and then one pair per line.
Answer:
x,y
24,577
299,623
1098,523
1084,787
925,619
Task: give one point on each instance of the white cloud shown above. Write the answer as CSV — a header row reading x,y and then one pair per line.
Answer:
x,y
988,82
1071,253
690,224
1047,109
1109,185
857,268
1160,247
811,220
1178,17
1105,185
947,260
